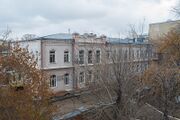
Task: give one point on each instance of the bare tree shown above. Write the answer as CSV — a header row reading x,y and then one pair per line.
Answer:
x,y
164,76
136,31
28,36
176,9
116,82
5,35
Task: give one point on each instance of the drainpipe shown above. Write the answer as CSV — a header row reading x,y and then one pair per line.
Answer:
x,y
41,53
73,64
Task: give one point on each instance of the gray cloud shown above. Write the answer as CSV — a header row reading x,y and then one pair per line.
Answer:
x,y
110,17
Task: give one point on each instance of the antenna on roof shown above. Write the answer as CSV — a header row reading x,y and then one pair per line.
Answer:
x,y
69,30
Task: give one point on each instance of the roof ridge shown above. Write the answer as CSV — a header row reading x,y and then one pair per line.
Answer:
x,y
57,34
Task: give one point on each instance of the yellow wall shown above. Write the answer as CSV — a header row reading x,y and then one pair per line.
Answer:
x,y
157,30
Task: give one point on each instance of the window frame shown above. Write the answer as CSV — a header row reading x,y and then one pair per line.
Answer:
x,y
53,78
90,57
108,54
81,75
81,57
66,56
90,75
98,56
97,75
52,56
138,54
126,54
66,78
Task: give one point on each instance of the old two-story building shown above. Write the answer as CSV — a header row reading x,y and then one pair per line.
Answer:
x,y
69,59
88,50
54,53
136,51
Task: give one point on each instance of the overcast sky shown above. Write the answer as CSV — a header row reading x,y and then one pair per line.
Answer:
x,y
110,17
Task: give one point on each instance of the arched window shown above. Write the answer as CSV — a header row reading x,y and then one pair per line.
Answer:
x,y
81,57
98,56
89,76
53,81
81,77
90,56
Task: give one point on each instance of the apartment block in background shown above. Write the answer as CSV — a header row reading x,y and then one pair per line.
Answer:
x,y
157,30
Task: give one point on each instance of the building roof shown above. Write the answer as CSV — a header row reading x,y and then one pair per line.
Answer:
x,y
166,22
58,36
118,41
70,37
126,41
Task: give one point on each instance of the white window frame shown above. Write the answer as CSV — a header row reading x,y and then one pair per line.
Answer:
x,y
66,78
81,77
97,75
90,75
53,78
52,56
66,56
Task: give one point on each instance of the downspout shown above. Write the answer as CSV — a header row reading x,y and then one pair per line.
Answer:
x,y
73,64
41,53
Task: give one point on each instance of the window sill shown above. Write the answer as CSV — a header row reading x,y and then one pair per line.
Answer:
x,y
53,87
82,83
52,62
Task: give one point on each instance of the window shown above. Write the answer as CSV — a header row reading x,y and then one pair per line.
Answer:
x,y
138,54
66,56
146,66
4,52
146,53
52,56
133,68
120,52
114,52
141,54
81,57
90,56
98,56
66,79
108,54
53,81
81,77
97,75
125,54
89,76
133,54
16,76
137,68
